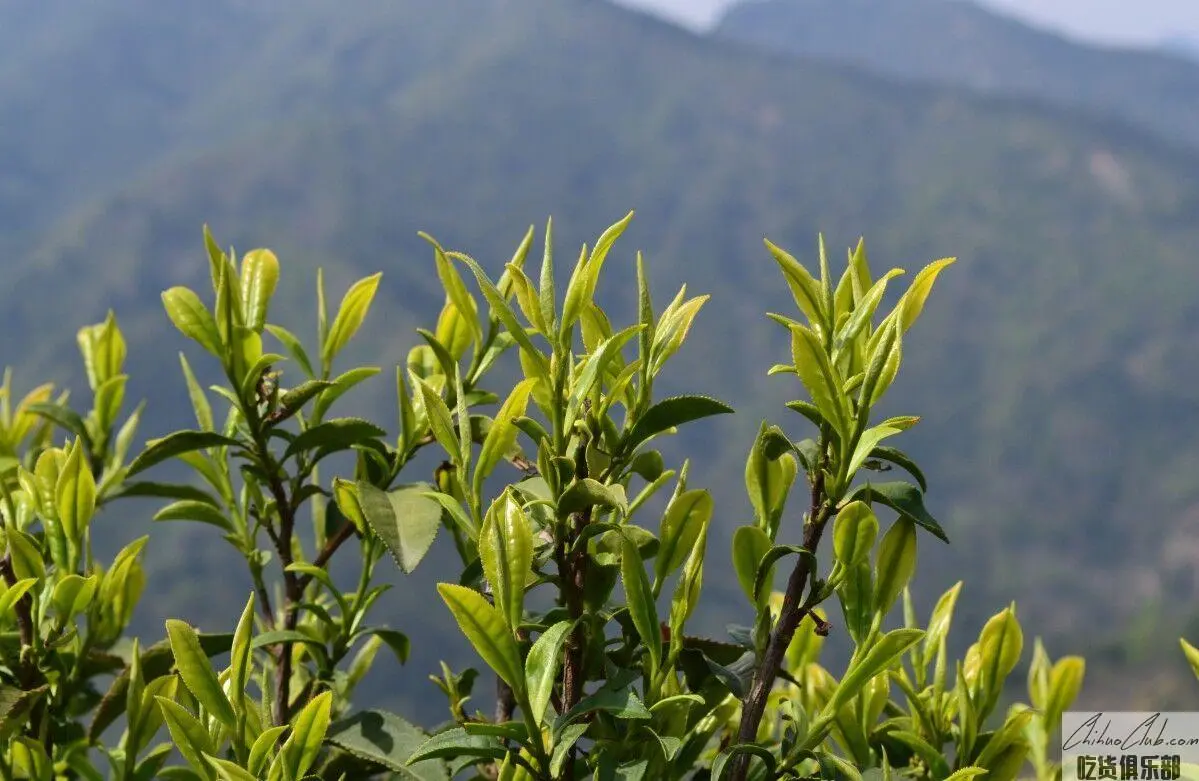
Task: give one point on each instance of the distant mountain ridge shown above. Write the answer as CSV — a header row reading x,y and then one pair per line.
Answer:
x,y
959,42
1183,46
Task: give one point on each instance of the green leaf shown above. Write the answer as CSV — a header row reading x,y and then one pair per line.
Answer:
x,y
905,499
880,657
673,328
867,444
671,412
1065,682
864,310
192,319
750,546
912,303
293,346
766,567
308,728
62,416
687,515
196,395
506,551
336,434
804,287
966,773
999,647
720,765
191,510
505,315
457,742
895,564
240,657
176,444
541,666
588,493
527,298
487,632
197,673
596,364
640,602
72,595
440,419
15,708
188,735
26,554
819,377
939,622
886,352
156,661
228,771
854,533
12,594
75,494
259,276
350,314
622,703
405,519
563,744
501,437
856,592
457,293
339,386
900,459
263,747
164,491
388,740
293,400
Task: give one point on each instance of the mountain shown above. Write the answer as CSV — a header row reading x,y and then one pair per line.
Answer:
x,y
1182,46
959,42
1053,367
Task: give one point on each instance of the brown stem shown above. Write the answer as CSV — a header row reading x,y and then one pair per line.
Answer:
x,y
292,592
790,616
572,569
345,532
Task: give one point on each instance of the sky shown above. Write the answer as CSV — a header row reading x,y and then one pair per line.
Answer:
x,y
1143,22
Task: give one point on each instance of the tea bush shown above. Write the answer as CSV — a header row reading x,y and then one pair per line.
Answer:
x,y
607,682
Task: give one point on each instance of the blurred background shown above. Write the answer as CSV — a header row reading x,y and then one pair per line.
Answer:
x,y
1051,145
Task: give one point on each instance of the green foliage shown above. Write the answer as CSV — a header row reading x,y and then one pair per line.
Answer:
x,y
546,504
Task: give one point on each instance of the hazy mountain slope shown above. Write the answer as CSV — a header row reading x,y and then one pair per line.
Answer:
x,y
958,42
1182,45
1052,368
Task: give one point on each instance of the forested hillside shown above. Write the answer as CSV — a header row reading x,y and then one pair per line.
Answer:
x,y
954,42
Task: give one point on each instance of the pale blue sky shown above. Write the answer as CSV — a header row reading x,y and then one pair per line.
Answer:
x,y
1105,21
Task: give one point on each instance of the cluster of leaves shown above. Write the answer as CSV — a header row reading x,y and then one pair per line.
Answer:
x,y
575,599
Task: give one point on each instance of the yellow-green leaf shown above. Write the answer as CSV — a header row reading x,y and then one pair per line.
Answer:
x,y
308,729
506,550
895,564
487,632
192,318
912,303
197,673
75,494
351,313
640,601
501,437
804,287
259,276
854,533
541,667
